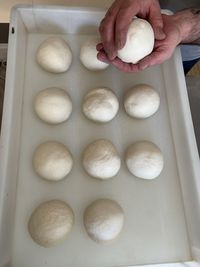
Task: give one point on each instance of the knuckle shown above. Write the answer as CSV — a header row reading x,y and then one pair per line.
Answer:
x,y
102,29
128,3
109,13
105,25
102,23
124,19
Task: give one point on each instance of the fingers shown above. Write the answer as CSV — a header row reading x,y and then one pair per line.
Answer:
x,y
155,18
156,57
126,67
123,20
103,57
107,30
99,47
114,27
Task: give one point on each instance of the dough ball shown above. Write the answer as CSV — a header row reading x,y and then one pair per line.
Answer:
x,y
104,220
144,160
53,105
52,161
101,159
139,41
50,223
141,102
54,55
100,105
88,55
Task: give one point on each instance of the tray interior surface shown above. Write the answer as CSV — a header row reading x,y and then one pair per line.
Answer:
x,y
155,229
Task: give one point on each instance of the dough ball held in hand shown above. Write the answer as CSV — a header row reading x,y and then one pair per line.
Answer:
x,y
52,161
50,223
101,159
88,55
139,41
104,220
54,55
53,105
100,105
144,160
141,101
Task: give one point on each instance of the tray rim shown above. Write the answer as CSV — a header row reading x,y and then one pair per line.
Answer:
x,y
7,111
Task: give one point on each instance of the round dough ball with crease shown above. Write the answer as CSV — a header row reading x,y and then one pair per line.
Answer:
x,y
101,159
144,160
53,105
50,223
104,220
54,55
88,55
100,105
141,102
139,41
52,161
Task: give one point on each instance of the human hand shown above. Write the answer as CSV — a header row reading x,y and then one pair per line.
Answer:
x,y
163,49
114,27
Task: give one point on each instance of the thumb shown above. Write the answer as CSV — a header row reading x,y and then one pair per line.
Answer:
x,y
155,58
156,20
159,33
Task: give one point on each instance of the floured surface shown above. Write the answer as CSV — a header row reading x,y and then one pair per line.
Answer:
x,y
155,229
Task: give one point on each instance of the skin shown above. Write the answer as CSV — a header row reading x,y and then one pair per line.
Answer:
x,y
182,27
114,26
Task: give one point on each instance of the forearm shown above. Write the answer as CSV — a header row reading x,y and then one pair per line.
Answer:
x,y
188,22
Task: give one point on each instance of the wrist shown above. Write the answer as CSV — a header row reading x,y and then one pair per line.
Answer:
x,y
187,22
184,24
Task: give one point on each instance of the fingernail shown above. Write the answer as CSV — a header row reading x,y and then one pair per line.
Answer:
x,y
161,34
111,55
120,44
99,46
102,57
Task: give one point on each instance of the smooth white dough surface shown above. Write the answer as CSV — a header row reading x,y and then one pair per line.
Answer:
x,y
50,223
53,105
101,159
54,55
139,41
141,101
104,220
100,105
52,161
88,55
144,160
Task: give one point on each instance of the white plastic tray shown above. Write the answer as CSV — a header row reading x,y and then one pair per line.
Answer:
x,y
162,216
